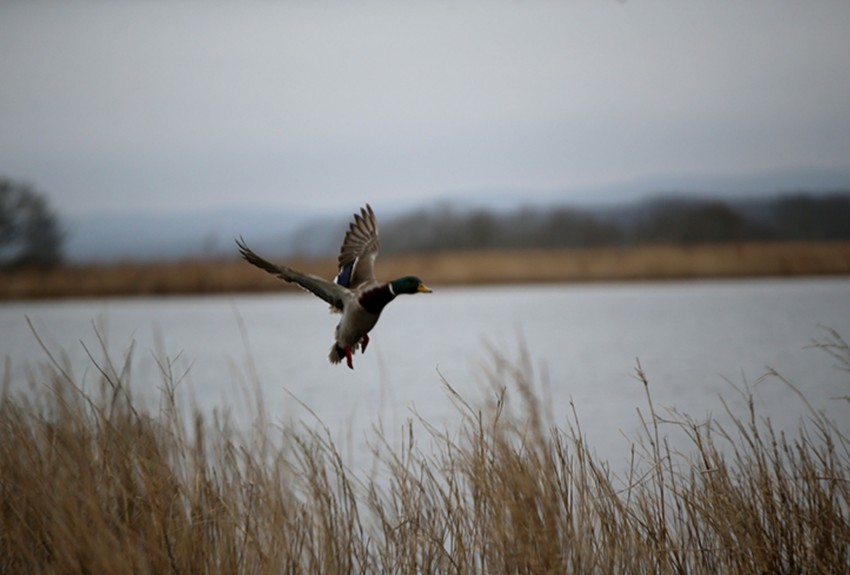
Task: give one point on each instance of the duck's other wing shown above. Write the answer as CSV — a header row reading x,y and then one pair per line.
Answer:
x,y
334,294
359,250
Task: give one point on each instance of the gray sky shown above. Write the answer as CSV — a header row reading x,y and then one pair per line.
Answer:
x,y
179,105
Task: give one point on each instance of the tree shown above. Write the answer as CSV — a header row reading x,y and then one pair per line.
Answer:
x,y
810,217
712,221
30,232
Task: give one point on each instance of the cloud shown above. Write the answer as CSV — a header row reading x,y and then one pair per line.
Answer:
x,y
174,104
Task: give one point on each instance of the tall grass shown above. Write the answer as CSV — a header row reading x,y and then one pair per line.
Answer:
x,y
91,483
444,268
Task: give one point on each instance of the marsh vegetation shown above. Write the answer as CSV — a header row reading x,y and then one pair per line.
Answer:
x,y
92,482
474,267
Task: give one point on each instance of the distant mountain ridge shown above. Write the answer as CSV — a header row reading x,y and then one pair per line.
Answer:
x,y
174,236
279,232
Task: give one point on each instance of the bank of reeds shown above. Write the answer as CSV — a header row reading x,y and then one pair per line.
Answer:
x,y
90,483
445,268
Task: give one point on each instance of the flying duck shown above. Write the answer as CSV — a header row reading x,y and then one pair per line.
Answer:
x,y
355,293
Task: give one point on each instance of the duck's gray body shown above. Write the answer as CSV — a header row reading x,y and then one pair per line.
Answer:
x,y
355,323
355,293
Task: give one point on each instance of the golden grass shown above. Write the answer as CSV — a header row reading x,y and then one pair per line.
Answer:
x,y
93,484
446,268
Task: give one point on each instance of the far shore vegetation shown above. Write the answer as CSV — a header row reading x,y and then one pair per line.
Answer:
x,y
670,236
448,268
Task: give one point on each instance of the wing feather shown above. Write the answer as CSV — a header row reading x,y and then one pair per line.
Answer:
x,y
359,250
334,294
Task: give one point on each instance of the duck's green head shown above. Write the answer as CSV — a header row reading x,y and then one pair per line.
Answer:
x,y
409,284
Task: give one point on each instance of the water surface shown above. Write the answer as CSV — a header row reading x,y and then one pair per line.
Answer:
x,y
691,338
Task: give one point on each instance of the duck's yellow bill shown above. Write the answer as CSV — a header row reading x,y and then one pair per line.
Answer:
x,y
423,288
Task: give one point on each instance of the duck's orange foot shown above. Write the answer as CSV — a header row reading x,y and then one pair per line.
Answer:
x,y
348,360
363,343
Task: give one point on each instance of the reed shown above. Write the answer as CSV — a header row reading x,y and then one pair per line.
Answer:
x,y
445,268
91,482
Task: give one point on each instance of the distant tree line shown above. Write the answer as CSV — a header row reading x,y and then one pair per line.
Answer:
x,y
663,220
30,231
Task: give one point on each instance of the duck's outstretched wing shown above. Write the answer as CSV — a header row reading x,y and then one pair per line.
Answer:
x,y
334,294
359,250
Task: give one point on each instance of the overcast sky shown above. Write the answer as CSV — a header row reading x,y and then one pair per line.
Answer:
x,y
179,106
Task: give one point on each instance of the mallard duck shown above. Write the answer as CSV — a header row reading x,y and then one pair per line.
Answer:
x,y
355,293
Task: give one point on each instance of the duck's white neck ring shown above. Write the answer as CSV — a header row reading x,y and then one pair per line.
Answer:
x,y
392,291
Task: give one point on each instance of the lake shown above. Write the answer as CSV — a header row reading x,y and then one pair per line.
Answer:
x,y
696,341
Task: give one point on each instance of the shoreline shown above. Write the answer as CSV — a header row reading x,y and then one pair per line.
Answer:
x,y
478,267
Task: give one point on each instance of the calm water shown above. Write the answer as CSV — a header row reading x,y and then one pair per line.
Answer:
x,y
692,340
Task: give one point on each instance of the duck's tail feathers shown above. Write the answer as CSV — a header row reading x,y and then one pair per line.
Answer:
x,y
337,354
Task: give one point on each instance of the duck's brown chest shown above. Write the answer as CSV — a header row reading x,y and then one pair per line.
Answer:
x,y
376,299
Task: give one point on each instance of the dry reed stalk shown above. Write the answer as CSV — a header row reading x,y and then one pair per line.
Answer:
x,y
92,483
446,268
